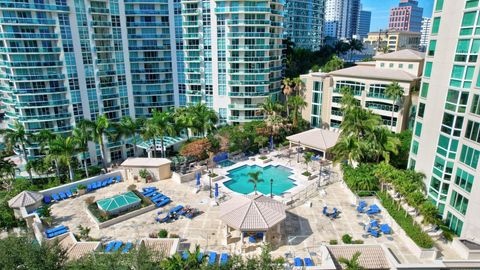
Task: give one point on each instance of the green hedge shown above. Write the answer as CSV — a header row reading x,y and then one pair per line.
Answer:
x,y
413,230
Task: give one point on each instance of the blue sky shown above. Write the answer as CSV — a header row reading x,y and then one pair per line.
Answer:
x,y
381,9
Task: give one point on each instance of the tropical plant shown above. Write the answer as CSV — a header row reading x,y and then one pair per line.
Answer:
x,y
297,103
348,148
197,149
8,171
333,64
144,173
394,91
255,178
161,124
347,239
355,45
383,144
84,232
100,129
130,128
361,178
429,212
18,137
63,149
342,47
204,118
270,107
184,119
261,141
352,263
82,136
307,158
291,86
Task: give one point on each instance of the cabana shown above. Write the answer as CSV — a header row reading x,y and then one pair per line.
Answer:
x,y
29,200
254,216
158,168
320,140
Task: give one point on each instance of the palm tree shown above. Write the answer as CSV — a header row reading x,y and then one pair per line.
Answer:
x,y
184,119
161,124
44,138
353,263
99,130
394,91
149,132
8,171
348,148
82,135
288,89
359,122
130,128
298,103
270,107
355,45
307,157
384,143
255,179
205,119
63,149
19,137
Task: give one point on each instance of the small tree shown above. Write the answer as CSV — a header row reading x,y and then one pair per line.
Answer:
x,y
347,239
394,91
353,263
162,233
255,179
144,173
197,149
307,157
84,232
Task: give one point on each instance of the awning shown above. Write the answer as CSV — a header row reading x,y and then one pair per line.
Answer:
x,y
316,139
167,142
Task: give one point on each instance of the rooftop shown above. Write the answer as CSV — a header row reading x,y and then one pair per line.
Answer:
x,y
165,247
145,162
402,55
370,72
372,256
319,139
25,198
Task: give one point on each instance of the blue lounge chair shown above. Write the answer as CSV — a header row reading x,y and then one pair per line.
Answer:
x,y
176,209
99,184
200,257
149,193
325,211
185,255
118,244
373,211
127,247
69,194
56,197
182,212
374,223
94,185
149,188
212,258
373,232
223,258
159,199
360,209
109,246
89,187
50,231
62,195
334,214
47,199
308,262
118,179
297,262
252,239
110,181
165,219
104,183
159,195
57,233
164,202
386,229
362,204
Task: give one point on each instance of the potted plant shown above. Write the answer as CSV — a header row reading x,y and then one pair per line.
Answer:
x,y
145,174
82,189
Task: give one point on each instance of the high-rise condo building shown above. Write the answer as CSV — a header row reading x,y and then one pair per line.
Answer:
x,y
446,137
363,26
406,17
304,23
425,33
341,18
233,55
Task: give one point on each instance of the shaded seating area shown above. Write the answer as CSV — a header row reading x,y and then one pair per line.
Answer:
x,y
51,233
30,200
171,215
333,215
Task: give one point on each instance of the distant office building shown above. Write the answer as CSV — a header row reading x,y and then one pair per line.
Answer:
x,y
304,23
425,33
385,42
406,17
363,26
341,18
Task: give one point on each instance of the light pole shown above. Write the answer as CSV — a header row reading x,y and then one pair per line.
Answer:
x,y
298,152
210,182
271,188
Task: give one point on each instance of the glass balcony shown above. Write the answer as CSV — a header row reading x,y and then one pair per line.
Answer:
x,y
190,11
153,93
248,94
243,9
154,104
248,22
149,12
99,10
20,64
244,106
102,36
377,95
249,59
49,117
151,70
248,34
245,118
50,103
8,4
18,35
147,24
248,71
147,36
149,48
150,59
151,81
31,50
147,1
35,91
101,24
30,21
37,77
244,82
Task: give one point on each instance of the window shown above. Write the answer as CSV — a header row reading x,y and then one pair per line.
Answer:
x,y
454,223
472,131
468,23
475,109
421,109
447,147
464,180
428,69
439,5
415,147
424,92
459,202
471,3
469,156
418,129
410,66
456,101
431,48
435,25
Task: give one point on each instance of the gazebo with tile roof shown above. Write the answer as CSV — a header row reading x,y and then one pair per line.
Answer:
x,y
30,200
252,214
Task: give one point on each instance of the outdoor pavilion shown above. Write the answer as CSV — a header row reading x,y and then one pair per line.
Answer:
x,y
27,200
320,140
253,214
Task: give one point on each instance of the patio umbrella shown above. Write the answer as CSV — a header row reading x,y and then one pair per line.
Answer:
x,y
198,179
216,190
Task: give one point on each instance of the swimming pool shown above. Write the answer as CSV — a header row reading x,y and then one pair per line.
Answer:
x,y
225,163
280,175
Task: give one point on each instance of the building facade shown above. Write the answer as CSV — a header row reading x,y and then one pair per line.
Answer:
x,y
363,26
392,41
233,55
425,33
406,17
445,145
304,23
341,18
368,82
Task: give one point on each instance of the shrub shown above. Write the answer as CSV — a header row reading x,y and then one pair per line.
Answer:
x,y
81,187
132,187
144,173
90,200
413,230
333,242
307,174
263,157
172,235
357,242
347,239
213,175
44,211
361,178
162,233
153,235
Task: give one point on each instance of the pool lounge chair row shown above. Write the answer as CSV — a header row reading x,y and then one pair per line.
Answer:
x,y
374,228
104,183
298,262
212,257
172,213
372,210
156,197
56,231
62,195
115,246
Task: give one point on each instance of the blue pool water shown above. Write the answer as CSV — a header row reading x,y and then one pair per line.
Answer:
x,y
279,174
225,163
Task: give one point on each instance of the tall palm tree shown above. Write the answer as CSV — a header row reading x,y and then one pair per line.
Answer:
x,y
359,122
18,137
149,132
298,103
353,263
129,128
8,171
161,124
288,89
63,149
394,91
82,135
348,148
100,130
255,179
44,138
270,107
384,143
184,119
205,119
307,157
355,45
